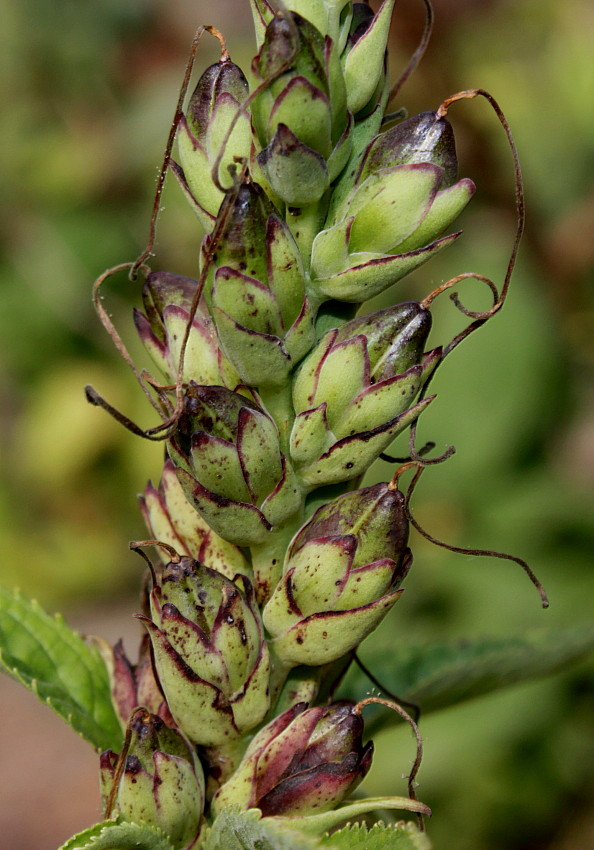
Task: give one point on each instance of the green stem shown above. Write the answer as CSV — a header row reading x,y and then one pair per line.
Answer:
x,y
278,402
305,224
278,676
268,557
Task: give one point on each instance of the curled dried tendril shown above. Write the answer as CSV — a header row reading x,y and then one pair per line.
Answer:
x,y
393,706
415,709
417,55
429,446
483,553
499,295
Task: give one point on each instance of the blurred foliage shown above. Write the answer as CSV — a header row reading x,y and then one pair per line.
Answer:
x,y
89,93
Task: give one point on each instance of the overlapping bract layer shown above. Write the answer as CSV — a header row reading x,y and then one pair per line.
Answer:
x,y
341,576
214,127
229,463
162,783
355,392
300,115
388,209
171,519
256,291
210,653
167,302
307,760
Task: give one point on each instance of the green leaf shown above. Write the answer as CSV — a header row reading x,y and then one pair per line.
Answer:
x,y
110,835
234,830
54,662
399,836
444,674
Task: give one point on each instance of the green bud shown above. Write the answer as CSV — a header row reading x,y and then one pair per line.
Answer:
x,y
341,576
307,760
210,653
214,105
162,783
365,59
264,320
167,301
388,209
171,519
228,461
355,391
300,117
330,17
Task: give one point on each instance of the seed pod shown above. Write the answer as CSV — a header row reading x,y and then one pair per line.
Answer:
x,y
305,761
300,116
171,519
162,784
210,653
228,461
167,301
341,576
214,105
388,209
355,391
256,291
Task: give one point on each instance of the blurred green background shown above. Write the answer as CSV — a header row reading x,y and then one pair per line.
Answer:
x,y
90,89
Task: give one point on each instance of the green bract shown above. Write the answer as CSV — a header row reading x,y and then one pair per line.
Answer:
x,y
162,783
228,461
171,519
354,393
167,301
341,576
300,116
388,208
207,132
210,653
256,291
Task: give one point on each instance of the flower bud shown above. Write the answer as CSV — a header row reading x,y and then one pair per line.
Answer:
x,y
162,783
171,519
264,320
300,117
341,576
305,761
210,653
228,461
355,391
364,59
167,301
387,211
214,105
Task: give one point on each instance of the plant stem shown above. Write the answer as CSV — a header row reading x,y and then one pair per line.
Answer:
x,y
305,224
278,402
268,557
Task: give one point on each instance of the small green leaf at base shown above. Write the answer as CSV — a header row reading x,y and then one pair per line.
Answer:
x,y
234,830
398,836
50,659
111,835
